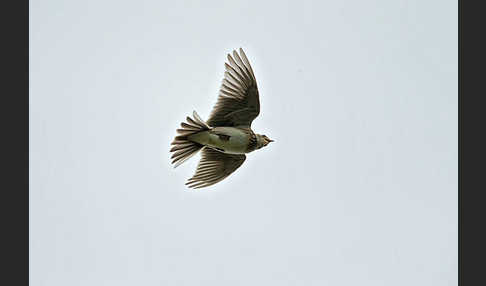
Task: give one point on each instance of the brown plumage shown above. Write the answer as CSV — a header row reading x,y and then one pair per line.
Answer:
x,y
226,136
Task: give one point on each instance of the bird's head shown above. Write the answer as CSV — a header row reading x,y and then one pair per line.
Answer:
x,y
262,140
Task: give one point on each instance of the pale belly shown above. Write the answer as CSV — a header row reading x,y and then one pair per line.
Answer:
x,y
225,139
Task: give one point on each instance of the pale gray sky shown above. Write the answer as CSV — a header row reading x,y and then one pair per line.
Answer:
x,y
359,187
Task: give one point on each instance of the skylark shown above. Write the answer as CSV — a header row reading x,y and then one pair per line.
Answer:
x,y
226,136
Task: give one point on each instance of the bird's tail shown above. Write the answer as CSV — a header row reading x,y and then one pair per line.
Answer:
x,y
184,148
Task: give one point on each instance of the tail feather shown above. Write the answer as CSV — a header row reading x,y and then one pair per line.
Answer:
x,y
184,148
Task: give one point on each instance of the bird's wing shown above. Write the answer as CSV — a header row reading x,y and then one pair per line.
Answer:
x,y
238,101
213,167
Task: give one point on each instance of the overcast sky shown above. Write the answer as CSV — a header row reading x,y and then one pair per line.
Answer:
x,y
359,187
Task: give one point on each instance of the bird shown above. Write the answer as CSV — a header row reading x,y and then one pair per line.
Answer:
x,y
226,136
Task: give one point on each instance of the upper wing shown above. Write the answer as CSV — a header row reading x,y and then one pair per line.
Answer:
x,y
214,167
238,101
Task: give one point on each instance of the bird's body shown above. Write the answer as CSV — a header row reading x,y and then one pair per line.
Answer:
x,y
230,140
226,136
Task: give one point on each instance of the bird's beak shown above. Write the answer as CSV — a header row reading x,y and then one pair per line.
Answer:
x,y
270,140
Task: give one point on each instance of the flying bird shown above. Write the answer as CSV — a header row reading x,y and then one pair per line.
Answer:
x,y
226,136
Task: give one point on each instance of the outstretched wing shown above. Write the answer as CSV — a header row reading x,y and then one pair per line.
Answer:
x,y
213,167
238,101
